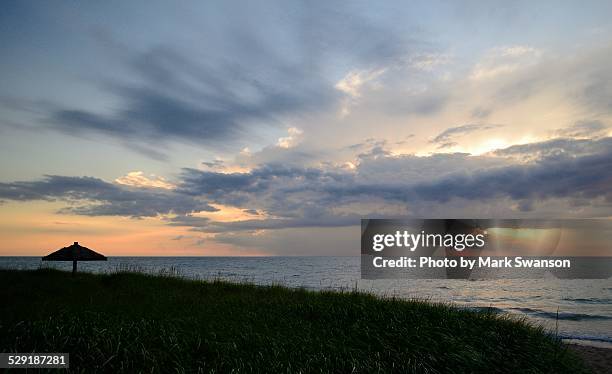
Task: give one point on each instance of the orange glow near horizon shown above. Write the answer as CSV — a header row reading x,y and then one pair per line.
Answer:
x,y
35,229
230,214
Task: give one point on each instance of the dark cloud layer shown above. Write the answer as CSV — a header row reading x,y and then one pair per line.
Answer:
x,y
556,148
306,197
95,197
290,197
587,177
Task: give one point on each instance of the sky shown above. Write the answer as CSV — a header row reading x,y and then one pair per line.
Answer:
x,y
271,128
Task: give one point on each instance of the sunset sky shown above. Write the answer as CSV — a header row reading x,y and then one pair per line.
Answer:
x,y
271,128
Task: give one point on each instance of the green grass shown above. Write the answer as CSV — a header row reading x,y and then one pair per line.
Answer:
x,y
129,322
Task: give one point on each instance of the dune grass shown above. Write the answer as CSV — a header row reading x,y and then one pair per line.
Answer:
x,y
129,322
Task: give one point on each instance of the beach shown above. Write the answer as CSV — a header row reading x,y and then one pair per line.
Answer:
x,y
598,359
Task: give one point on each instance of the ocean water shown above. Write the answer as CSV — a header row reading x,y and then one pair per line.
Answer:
x,y
576,310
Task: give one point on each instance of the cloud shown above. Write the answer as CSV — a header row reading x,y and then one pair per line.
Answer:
x,y
299,197
445,139
429,61
292,139
516,51
480,112
505,60
398,101
138,179
181,100
240,80
555,149
276,196
372,149
352,83
583,129
585,177
582,79
214,164
95,197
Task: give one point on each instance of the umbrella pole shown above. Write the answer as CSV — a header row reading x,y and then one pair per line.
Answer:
x,y
74,267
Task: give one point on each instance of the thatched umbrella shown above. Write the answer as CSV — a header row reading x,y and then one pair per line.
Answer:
x,y
74,253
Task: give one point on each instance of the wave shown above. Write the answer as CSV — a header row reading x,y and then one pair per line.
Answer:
x,y
588,300
567,316
590,338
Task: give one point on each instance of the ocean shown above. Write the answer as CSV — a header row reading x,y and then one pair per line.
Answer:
x,y
579,311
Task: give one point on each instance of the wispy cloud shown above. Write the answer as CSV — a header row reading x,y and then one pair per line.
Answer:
x,y
182,100
583,129
446,138
505,60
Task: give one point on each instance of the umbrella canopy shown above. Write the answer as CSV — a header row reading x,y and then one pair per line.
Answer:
x,y
74,252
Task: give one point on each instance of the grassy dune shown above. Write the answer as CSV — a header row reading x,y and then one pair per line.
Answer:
x,y
128,322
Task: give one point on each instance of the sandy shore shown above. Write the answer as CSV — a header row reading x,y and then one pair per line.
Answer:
x,y
599,359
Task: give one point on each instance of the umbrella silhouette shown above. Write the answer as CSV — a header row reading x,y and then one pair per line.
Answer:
x,y
74,253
